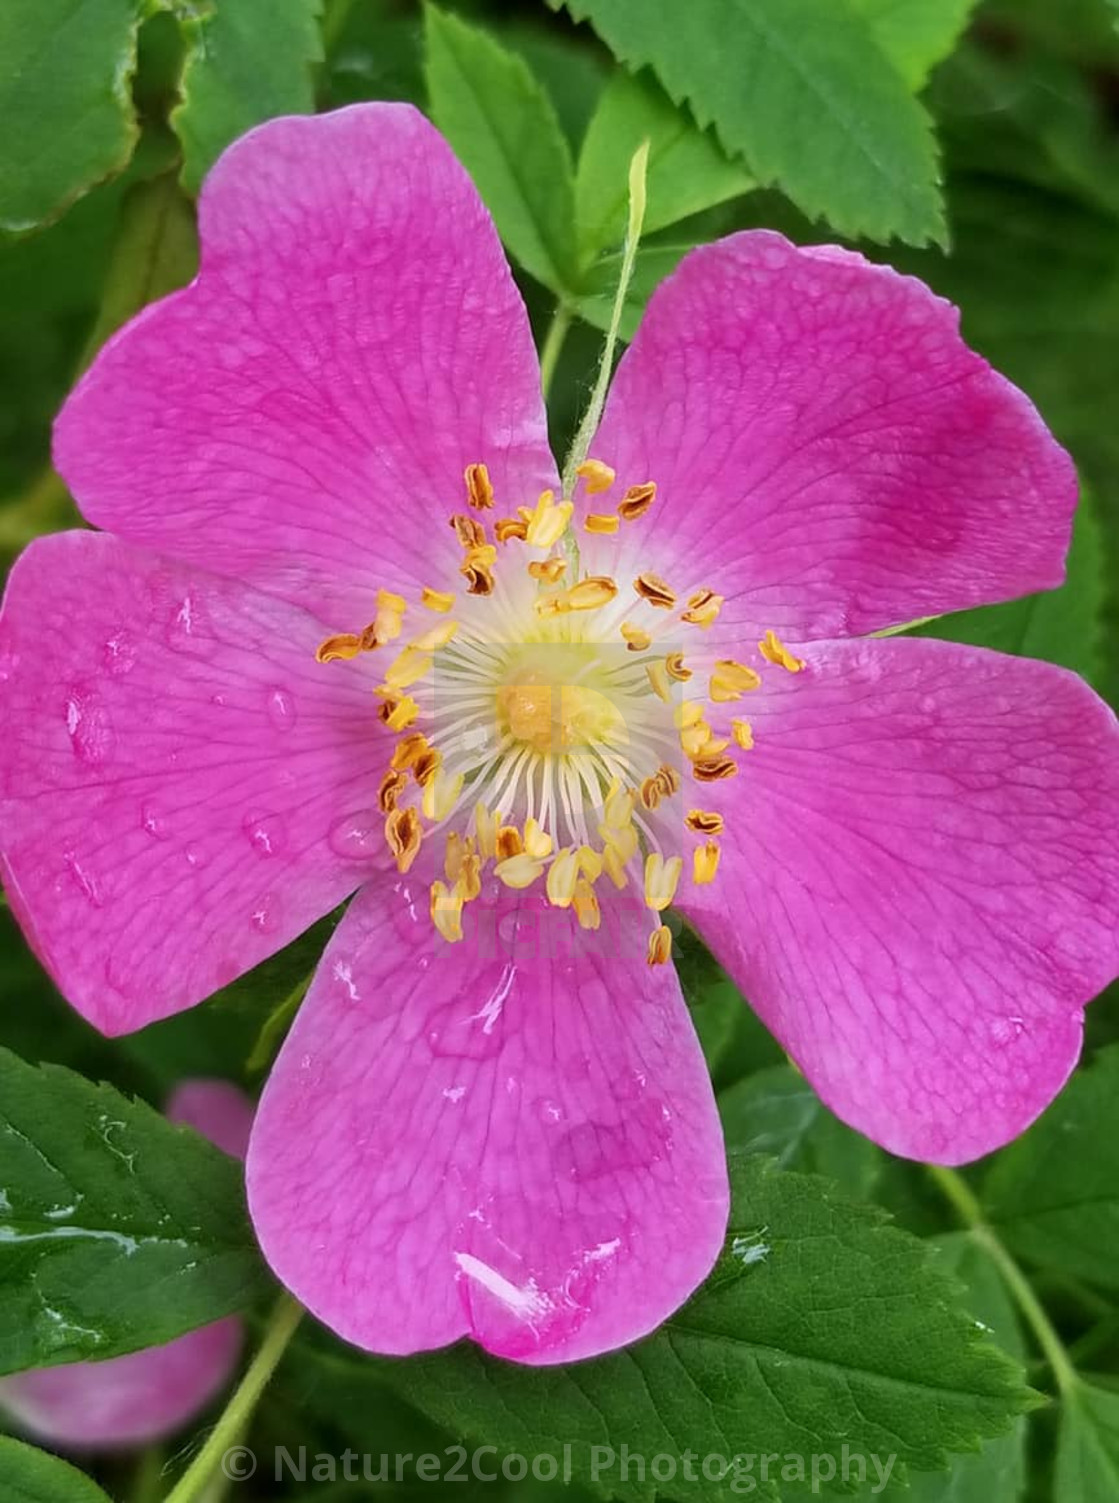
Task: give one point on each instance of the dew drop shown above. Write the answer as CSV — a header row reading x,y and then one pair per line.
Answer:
x,y
358,837
84,880
89,728
153,823
265,917
1005,1031
266,833
120,653
281,709
188,627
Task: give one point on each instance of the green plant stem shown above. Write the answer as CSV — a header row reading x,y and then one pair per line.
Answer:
x,y
589,425
237,1413
553,343
956,1189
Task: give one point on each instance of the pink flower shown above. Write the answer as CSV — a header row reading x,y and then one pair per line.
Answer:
x,y
133,1400
905,851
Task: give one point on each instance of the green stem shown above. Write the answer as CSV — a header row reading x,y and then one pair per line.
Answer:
x,y
588,427
554,342
147,1479
237,1413
956,1189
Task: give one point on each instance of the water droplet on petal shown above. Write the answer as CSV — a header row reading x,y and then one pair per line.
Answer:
x,y
1005,1031
265,916
463,1029
188,627
281,708
120,653
83,880
360,836
153,823
266,833
89,727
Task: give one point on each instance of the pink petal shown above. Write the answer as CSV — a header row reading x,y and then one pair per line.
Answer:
x,y
479,1140
919,887
125,1401
828,454
215,1108
301,416
188,790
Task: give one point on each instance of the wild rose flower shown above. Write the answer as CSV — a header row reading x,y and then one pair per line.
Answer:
x,y
345,630
146,1395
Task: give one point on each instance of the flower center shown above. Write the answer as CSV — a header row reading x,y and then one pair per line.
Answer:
x,y
548,727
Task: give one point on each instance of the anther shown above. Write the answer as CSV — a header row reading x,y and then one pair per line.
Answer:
x,y
437,600
562,877
407,751
537,842
674,667
586,905
703,607
506,528
392,785
636,639
713,768
730,680
661,879
637,501
441,794
660,946
704,822
653,589
407,668
437,637
705,863
479,491
658,678
548,522
403,833
446,910
548,570
774,651
339,648
599,477
604,523
518,871
742,733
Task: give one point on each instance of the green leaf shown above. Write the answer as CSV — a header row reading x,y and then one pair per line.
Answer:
x,y
998,1473
505,131
688,170
117,1230
916,34
245,63
1053,1194
1088,1446
1062,626
777,1112
803,92
820,1326
65,98
32,1476
652,264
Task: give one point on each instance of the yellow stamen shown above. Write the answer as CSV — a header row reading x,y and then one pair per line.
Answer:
x,y
599,476
408,751
446,911
687,712
468,530
694,738
537,842
674,667
437,637
774,651
392,785
653,589
623,842
590,862
457,847
548,522
479,577
401,712
661,879
601,522
664,782
407,668
470,878
441,794
730,680
403,833
426,766
617,810
549,569
485,830
586,906
705,863
658,677
437,600
508,843
636,639
562,877
713,769
518,871
637,501
703,822
742,733
510,527
660,946
341,647
614,866
590,593
703,607
479,491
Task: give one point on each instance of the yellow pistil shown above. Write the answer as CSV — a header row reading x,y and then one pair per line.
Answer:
x,y
636,639
704,822
479,491
599,477
548,522
637,501
653,589
774,651
713,768
603,523
703,607
730,680
674,667
742,733
437,600
437,637
661,879
518,871
403,833
441,794
537,842
586,906
548,570
705,863
407,668
562,877
660,946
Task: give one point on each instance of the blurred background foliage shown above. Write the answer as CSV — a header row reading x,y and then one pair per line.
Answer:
x,y
976,145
